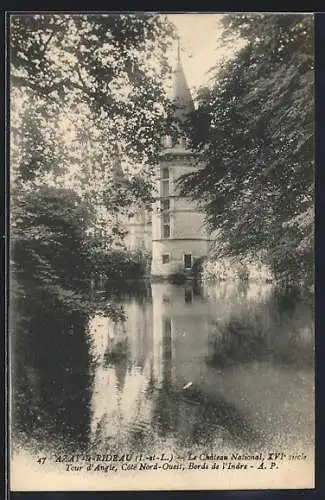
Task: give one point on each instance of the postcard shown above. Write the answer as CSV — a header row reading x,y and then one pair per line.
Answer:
x,y
161,319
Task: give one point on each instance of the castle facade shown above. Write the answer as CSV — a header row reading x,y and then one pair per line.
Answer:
x,y
174,230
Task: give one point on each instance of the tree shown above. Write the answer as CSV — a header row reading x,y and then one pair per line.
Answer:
x,y
81,86
112,64
87,111
48,233
253,131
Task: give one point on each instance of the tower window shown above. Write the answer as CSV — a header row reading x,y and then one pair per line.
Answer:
x,y
165,173
188,261
165,224
165,205
165,218
166,230
165,258
165,187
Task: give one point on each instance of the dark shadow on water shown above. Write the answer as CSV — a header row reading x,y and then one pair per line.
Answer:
x,y
51,381
138,290
272,332
195,418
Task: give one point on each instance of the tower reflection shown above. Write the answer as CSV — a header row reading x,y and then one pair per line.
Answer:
x,y
180,331
192,360
142,390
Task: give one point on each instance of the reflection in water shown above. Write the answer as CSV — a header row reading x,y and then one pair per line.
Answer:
x,y
220,366
188,295
51,382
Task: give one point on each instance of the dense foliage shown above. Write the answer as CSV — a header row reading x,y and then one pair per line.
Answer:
x,y
48,234
87,108
113,64
253,132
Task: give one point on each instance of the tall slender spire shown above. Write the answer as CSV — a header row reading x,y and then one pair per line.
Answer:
x,y
181,93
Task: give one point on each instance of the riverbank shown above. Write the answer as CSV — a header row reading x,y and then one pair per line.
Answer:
x,y
251,269
235,269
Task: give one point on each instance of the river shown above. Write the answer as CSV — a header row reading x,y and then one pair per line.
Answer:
x,y
221,366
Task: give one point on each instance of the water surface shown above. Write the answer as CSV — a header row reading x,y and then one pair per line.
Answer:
x,y
218,367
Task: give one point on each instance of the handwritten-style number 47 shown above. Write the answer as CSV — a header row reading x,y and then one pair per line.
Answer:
x,y
41,460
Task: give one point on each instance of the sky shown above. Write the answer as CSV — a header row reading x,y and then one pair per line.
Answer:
x,y
201,45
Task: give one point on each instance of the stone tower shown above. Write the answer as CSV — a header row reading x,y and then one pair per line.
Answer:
x,y
179,235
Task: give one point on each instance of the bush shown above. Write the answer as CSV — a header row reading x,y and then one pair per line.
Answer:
x,y
230,269
126,264
198,267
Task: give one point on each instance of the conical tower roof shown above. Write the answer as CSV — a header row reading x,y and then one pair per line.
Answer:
x,y
181,96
